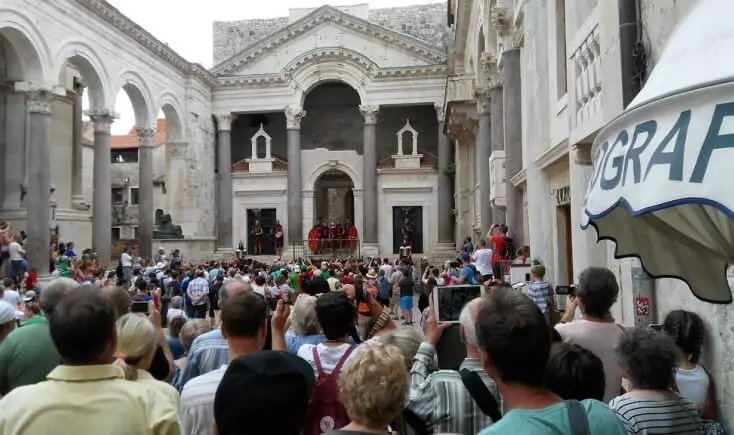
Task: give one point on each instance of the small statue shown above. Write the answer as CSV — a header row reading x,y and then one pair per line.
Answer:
x,y
164,228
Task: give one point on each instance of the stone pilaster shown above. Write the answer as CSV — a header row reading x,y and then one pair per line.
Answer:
x,y
497,137
512,100
445,196
78,201
483,150
293,117
369,159
102,193
224,166
39,176
145,191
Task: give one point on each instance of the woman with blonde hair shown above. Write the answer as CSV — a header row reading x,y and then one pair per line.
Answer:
x,y
136,346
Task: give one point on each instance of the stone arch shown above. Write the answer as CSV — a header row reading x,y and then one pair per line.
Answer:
x,y
84,58
339,65
28,52
169,105
140,97
313,178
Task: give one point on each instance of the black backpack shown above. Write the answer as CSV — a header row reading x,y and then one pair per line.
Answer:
x,y
509,249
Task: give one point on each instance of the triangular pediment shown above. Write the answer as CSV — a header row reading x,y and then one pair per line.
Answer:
x,y
328,28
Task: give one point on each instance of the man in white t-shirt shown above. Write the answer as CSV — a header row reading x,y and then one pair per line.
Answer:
x,y
387,267
126,262
11,294
596,292
482,258
16,257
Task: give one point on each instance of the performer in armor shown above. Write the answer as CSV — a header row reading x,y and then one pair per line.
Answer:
x,y
332,237
407,230
324,236
257,232
277,233
340,235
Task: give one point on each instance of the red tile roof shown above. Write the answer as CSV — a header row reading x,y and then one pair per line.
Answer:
x,y
427,161
279,165
130,140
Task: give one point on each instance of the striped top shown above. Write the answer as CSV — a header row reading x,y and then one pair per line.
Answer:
x,y
673,414
197,403
440,399
208,352
540,292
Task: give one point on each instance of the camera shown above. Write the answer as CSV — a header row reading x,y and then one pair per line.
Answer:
x,y
565,290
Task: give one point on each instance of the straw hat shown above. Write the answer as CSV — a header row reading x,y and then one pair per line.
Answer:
x,y
371,274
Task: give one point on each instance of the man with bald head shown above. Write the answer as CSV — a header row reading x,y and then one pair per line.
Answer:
x,y
28,354
209,351
438,398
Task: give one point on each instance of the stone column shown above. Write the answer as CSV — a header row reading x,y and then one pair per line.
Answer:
x,y
445,196
224,166
77,190
293,117
369,174
483,150
102,193
145,191
39,176
587,252
176,173
513,140
497,138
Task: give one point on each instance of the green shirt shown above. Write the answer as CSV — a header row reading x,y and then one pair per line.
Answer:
x,y
35,320
27,355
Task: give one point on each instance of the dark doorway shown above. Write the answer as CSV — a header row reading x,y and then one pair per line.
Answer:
x,y
267,218
415,219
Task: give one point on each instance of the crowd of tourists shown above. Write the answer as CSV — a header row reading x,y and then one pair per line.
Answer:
x,y
316,347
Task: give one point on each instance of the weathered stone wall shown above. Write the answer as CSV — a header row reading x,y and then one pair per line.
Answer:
x,y
426,22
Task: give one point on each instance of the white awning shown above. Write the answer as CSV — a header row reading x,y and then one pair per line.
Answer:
x,y
662,187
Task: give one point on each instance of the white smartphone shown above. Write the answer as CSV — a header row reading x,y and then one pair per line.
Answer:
x,y
449,300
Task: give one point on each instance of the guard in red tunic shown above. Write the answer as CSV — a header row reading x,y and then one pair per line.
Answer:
x,y
257,232
277,233
351,232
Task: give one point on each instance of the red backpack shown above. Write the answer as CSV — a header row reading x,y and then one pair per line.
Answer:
x,y
325,411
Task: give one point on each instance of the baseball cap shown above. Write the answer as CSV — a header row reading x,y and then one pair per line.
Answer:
x,y
464,256
29,296
257,388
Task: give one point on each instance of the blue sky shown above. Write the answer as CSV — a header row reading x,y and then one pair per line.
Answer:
x,y
186,26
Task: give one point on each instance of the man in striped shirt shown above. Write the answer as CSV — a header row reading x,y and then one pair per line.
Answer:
x,y
439,398
198,293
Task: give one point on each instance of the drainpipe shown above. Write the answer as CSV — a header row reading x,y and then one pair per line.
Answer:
x,y
633,61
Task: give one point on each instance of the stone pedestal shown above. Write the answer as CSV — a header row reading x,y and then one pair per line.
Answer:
x,y
412,161
260,165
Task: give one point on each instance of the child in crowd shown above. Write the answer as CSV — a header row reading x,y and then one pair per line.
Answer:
x,y
540,290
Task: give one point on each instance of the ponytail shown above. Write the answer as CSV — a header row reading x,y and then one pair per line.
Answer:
x,y
130,371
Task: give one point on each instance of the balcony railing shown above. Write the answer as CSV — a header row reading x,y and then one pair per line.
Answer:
x,y
326,249
586,63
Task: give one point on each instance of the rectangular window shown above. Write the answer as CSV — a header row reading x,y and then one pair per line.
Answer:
x,y
561,57
136,233
115,233
118,195
133,196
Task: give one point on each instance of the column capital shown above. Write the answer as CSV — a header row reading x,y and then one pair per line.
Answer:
x,y
102,119
145,136
293,117
39,101
79,86
482,97
369,112
440,112
225,121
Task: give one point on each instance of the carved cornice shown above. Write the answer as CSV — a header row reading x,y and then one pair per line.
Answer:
x,y
460,88
462,128
293,117
490,70
370,114
337,54
328,14
482,97
39,101
499,19
125,25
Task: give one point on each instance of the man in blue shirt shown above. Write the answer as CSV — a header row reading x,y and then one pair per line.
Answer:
x,y
514,346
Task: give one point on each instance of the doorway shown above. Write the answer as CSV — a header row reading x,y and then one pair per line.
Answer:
x,y
334,198
414,217
565,245
267,218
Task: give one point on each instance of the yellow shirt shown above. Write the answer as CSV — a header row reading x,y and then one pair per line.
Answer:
x,y
166,389
89,400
